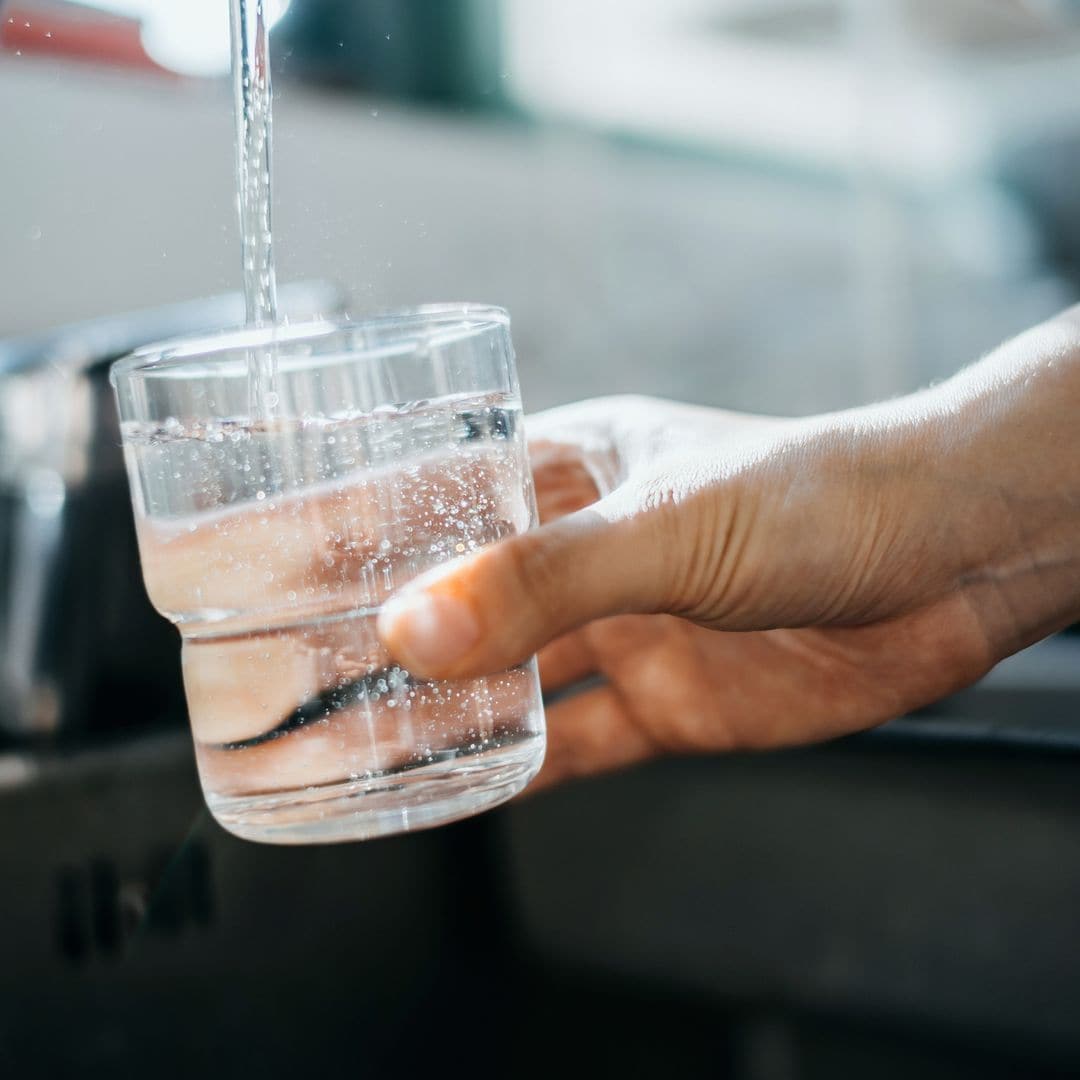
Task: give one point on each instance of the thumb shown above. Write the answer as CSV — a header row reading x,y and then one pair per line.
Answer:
x,y
496,608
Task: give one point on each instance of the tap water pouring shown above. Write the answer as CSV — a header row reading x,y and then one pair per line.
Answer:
x,y
287,481
253,108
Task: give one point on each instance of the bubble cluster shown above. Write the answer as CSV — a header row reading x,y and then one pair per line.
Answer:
x,y
274,544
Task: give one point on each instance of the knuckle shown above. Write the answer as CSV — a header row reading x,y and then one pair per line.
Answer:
x,y
660,494
538,575
689,530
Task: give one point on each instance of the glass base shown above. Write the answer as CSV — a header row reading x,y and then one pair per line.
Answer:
x,y
405,801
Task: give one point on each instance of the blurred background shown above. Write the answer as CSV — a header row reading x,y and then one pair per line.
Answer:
x,y
783,206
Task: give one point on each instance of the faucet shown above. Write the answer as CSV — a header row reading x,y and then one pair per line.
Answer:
x,y
81,649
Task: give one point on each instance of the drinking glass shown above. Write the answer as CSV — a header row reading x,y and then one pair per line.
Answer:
x,y
285,482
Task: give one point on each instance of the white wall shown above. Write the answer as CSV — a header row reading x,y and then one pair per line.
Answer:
x,y
625,269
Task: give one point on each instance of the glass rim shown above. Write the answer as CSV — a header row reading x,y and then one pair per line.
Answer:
x,y
175,352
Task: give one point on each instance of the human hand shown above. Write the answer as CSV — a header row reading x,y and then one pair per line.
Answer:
x,y
742,582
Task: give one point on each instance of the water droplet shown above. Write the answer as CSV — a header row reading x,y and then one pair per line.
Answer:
x,y
260,495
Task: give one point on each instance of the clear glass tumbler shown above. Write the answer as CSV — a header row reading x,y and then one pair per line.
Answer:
x,y
271,534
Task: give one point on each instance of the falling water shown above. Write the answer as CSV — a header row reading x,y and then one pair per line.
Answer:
x,y
254,123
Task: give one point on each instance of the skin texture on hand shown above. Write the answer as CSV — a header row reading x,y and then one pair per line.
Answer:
x,y
744,582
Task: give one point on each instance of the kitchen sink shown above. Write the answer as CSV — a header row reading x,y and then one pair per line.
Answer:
x,y
903,901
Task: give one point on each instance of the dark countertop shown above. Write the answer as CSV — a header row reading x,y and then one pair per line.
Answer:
x,y
923,877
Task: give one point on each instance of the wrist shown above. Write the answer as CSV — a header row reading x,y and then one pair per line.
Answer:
x,y
1002,441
